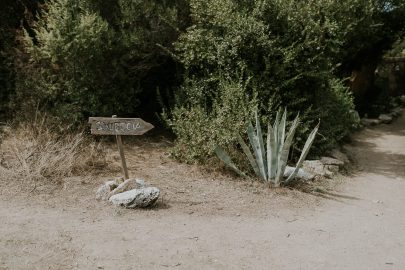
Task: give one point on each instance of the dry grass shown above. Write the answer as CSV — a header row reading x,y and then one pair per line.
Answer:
x,y
32,152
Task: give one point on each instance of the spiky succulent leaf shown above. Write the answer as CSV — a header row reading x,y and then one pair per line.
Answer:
x,y
304,154
269,152
283,156
254,141
277,121
281,129
275,146
227,160
249,155
261,144
274,155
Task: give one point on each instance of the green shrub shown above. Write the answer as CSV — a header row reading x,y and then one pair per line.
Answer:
x,y
337,113
288,49
202,124
79,64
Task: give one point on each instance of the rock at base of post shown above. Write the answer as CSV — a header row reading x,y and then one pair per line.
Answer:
x,y
136,198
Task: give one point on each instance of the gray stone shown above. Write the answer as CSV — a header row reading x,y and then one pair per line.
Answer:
x,y
127,185
317,167
104,191
396,112
119,180
302,174
370,122
331,161
136,197
385,118
403,99
335,153
332,168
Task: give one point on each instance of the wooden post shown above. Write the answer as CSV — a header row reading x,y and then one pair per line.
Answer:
x,y
121,150
119,126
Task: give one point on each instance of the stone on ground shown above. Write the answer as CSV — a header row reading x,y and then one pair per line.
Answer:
x,y
403,99
331,161
335,153
302,174
385,118
317,167
370,122
135,198
127,185
396,112
104,191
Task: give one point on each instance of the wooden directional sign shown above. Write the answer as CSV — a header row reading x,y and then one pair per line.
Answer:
x,y
119,126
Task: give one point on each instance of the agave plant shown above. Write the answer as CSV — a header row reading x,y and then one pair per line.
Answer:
x,y
269,162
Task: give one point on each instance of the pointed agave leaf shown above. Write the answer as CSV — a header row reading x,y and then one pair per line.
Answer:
x,y
269,152
227,160
275,147
273,160
254,141
249,155
276,122
281,129
304,154
261,144
276,126
283,157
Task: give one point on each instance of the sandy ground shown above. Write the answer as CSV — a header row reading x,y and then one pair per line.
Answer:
x,y
207,220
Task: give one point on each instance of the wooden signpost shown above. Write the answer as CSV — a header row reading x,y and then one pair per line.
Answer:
x,y
118,127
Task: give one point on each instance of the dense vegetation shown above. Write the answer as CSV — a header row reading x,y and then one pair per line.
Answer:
x,y
206,64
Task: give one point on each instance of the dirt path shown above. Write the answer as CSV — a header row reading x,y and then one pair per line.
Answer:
x,y
219,224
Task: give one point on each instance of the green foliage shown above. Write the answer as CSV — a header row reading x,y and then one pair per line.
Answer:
x,y
93,57
202,124
290,51
78,64
334,106
398,48
269,163
12,15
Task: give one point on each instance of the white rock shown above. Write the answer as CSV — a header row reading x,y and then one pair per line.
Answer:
x,y
331,161
385,118
396,112
317,167
370,122
136,197
104,191
302,174
127,185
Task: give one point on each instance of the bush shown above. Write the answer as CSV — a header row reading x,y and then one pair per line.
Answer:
x,y
339,117
201,124
288,49
78,63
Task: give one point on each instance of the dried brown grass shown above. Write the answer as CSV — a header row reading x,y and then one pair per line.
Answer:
x,y
34,152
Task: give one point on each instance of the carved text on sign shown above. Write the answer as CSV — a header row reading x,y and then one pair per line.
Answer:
x,y
118,126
